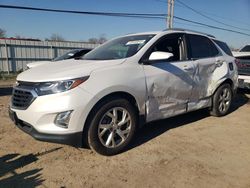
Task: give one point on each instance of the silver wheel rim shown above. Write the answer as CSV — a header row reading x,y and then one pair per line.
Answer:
x,y
224,100
114,127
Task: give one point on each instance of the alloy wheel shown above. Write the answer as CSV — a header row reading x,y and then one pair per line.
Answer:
x,y
114,127
224,100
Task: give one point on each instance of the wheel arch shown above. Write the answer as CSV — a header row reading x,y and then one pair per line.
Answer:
x,y
113,95
213,108
226,81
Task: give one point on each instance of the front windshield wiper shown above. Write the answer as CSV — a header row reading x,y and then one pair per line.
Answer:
x,y
95,59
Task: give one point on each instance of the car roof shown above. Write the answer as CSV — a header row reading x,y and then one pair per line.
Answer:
x,y
173,30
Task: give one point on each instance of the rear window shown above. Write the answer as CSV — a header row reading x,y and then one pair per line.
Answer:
x,y
224,47
245,49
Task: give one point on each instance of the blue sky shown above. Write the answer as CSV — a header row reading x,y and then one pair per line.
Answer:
x,y
36,24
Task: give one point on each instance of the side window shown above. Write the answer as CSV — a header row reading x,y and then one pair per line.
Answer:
x,y
172,43
224,47
201,47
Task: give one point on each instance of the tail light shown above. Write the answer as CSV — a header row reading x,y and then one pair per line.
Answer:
x,y
239,64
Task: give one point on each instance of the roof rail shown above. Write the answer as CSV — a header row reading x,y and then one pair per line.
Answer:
x,y
180,29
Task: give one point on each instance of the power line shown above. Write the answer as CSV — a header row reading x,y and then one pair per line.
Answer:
x,y
208,17
211,26
116,14
79,12
240,22
178,4
189,24
164,1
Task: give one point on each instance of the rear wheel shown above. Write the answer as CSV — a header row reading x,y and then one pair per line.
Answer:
x,y
112,127
222,100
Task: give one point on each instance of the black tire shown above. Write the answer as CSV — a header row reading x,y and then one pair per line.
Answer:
x,y
100,113
222,100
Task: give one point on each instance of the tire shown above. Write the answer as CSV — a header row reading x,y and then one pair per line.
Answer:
x,y
112,126
222,100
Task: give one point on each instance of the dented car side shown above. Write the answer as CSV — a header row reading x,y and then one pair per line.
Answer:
x,y
188,81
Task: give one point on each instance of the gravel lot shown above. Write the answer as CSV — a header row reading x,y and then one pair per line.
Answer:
x,y
192,150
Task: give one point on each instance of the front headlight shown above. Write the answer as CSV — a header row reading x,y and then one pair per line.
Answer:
x,y
46,88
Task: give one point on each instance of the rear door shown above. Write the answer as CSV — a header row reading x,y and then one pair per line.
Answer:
x,y
169,82
206,58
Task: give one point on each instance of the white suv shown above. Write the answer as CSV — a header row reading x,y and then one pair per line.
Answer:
x,y
102,99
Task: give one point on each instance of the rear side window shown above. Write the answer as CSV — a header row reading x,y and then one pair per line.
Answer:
x,y
224,47
201,47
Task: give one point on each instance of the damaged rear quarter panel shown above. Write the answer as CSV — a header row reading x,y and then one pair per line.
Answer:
x,y
221,74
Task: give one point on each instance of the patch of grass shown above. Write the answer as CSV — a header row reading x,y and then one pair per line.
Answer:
x,y
6,76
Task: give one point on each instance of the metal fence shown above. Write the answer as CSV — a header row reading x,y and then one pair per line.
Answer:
x,y
15,54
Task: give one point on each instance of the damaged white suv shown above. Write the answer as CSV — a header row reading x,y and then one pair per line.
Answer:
x,y
103,98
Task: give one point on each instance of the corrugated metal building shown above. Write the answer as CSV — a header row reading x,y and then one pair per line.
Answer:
x,y
15,54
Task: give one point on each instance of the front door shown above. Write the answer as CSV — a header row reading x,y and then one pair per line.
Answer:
x,y
169,82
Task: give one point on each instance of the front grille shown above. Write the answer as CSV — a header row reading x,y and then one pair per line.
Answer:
x,y
21,99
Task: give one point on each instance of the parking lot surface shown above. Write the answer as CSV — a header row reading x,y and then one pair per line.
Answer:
x,y
191,150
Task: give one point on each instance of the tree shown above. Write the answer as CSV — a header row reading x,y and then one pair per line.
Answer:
x,y
233,48
2,33
93,40
102,38
56,37
18,37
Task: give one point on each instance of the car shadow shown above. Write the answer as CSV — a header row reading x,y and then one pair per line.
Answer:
x,y
243,91
154,129
240,99
5,91
11,162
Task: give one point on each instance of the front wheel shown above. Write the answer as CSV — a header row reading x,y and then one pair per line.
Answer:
x,y
222,100
112,127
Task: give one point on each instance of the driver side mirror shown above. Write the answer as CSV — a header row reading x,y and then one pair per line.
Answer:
x,y
158,55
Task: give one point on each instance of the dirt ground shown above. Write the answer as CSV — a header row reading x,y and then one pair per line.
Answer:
x,y
193,150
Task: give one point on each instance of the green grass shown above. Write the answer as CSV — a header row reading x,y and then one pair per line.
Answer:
x,y
6,76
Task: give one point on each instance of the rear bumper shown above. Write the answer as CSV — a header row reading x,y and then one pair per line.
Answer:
x,y
73,139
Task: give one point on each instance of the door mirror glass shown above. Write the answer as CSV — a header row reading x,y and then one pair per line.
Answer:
x,y
158,55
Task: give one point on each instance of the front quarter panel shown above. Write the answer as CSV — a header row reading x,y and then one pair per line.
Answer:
x,y
127,77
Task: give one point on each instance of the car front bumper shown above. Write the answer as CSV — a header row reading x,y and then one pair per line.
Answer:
x,y
38,120
73,139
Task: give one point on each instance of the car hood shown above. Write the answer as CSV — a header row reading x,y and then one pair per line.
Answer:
x,y
63,70
35,64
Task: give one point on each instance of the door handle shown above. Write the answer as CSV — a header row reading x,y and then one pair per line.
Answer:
x,y
188,68
219,62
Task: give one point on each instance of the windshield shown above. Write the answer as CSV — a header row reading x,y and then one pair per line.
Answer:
x,y
245,49
119,48
67,55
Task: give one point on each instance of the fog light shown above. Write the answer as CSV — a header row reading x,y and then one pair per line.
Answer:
x,y
62,119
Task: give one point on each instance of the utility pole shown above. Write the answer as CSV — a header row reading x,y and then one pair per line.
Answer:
x,y
170,15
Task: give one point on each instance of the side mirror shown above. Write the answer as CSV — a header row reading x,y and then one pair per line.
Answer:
x,y
158,55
